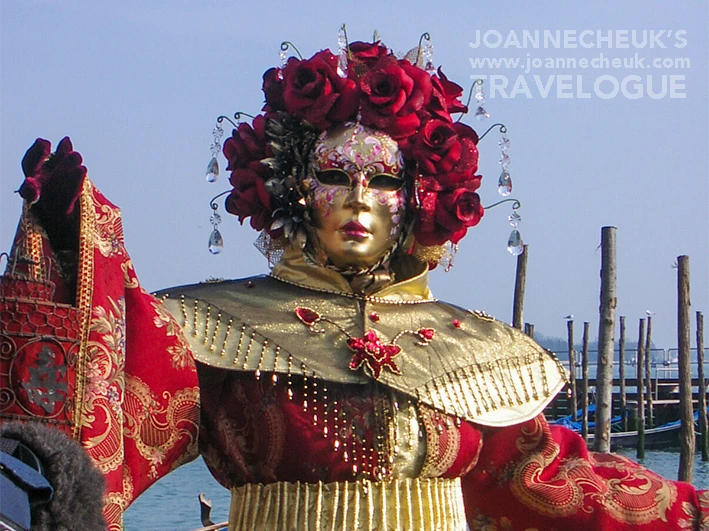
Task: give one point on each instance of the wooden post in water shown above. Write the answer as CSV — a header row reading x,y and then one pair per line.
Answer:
x,y
621,375
703,428
529,329
520,284
606,340
640,453
572,367
648,380
686,414
584,386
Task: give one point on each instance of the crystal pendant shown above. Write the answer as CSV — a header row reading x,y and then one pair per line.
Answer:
x,y
342,53
428,58
515,245
505,160
481,114
514,219
216,242
504,143
504,184
212,170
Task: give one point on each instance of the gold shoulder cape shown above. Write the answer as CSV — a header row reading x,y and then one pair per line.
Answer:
x,y
474,367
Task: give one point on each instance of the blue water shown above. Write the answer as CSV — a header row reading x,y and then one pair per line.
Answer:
x,y
172,505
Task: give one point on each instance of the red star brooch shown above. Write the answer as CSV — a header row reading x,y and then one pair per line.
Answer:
x,y
370,351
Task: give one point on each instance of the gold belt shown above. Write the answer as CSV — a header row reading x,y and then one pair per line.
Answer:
x,y
397,505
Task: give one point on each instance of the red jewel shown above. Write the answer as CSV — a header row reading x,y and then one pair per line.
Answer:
x,y
374,316
307,316
426,333
456,323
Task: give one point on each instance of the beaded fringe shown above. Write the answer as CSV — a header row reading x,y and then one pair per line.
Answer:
x,y
469,392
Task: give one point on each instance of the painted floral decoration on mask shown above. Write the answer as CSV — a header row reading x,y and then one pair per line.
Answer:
x,y
269,159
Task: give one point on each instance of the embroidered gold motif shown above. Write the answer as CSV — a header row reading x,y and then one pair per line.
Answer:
x,y
630,495
115,503
442,442
108,229
104,384
155,425
130,281
179,353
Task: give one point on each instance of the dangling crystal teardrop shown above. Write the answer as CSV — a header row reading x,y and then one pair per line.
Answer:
x,y
481,114
515,245
504,184
212,170
216,242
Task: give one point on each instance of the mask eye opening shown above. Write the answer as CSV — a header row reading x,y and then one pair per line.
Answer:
x,y
333,177
386,182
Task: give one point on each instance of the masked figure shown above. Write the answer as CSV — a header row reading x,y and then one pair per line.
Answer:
x,y
337,392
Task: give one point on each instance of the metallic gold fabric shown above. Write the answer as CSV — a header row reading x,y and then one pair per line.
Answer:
x,y
474,368
398,505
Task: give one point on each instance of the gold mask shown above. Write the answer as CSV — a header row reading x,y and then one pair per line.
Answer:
x,y
357,195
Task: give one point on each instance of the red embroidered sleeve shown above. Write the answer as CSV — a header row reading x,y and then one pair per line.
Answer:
x,y
533,476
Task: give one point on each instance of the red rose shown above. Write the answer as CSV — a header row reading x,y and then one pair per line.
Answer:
x,y
313,91
447,214
273,91
392,95
436,147
249,198
368,53
466,166
247,144
445,98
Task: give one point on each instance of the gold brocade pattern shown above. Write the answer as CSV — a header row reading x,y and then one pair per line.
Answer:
x,y
104,384
179,353
442,440
630,495
397,505
108,230
154,428
114,503
130,281
697,518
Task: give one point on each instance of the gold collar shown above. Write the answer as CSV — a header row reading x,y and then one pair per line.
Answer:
x,y
294,270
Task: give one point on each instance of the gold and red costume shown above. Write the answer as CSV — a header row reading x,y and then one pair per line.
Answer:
x,y
301,438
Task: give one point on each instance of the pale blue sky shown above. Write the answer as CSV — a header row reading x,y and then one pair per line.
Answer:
x,y
137,86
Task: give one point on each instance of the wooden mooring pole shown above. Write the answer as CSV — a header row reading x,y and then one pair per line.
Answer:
x,y
584,385
648,379
686,413
640,452
606,342
621,375
529,329
572,368
520,283
703,428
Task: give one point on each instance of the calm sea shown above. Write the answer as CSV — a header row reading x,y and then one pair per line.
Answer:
x,y
172,505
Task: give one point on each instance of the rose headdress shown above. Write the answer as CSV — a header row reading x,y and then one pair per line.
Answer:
x,y
366,83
